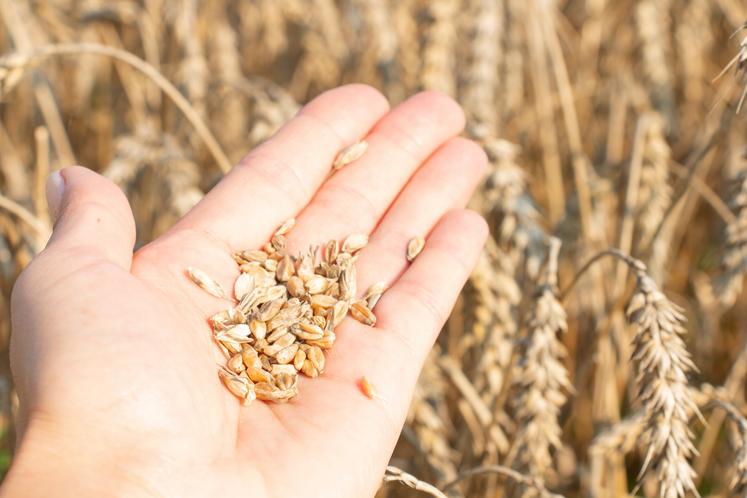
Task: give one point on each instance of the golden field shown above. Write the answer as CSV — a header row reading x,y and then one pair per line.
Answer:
x,y
613,136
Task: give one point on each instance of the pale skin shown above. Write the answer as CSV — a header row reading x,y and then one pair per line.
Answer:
x,y
112,356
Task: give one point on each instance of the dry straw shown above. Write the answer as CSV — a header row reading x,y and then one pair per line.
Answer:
x,y
12,65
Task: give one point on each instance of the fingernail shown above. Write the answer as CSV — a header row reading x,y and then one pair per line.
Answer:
x,y
55,191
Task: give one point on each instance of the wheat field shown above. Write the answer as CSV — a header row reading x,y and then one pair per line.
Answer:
x,y
600,346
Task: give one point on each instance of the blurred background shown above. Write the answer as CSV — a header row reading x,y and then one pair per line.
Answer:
x,y
605,124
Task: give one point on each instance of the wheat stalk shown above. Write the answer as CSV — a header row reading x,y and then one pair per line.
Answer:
x,y
15,62
395,474
530,483
23,214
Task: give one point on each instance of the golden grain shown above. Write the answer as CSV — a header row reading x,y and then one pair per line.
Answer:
x,y
287,312
359,310
367,388
349,154
374,293
206,282
354,242
414,247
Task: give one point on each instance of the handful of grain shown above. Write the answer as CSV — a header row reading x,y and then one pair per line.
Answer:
x,y
285,313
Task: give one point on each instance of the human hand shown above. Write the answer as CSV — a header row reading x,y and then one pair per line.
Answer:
x,y
113,359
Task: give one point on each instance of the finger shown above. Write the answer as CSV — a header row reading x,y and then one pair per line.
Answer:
x,y
418,304
411,313
390,355
93,216
445,182
278,179
356,197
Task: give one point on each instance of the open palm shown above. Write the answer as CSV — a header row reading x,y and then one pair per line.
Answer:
x,y
113,358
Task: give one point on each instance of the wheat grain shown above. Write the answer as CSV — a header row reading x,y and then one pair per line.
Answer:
x,y
359,310
354,243
367,388
205,282
240,386
374,293
350,154
286,227
287,310
414,247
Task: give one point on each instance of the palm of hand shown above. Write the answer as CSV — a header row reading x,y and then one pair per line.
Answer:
x,y
118,345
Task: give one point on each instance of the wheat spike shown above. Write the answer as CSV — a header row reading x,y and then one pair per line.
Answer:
x,y
513,73
655,192
734,261
482,80
542,381
662,365
653,22
439,61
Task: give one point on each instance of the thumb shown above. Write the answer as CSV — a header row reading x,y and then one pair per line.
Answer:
x,y
92,216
